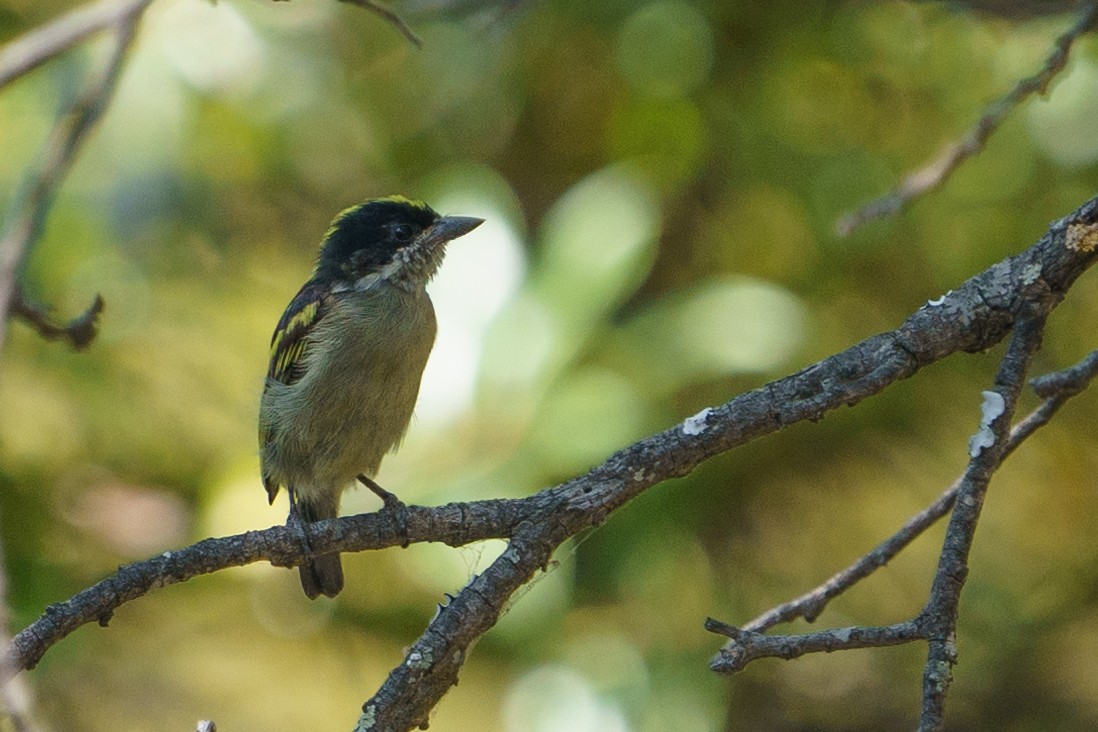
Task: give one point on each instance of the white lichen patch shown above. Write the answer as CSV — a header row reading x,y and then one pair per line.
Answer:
x,y
992,406
418,660
1031,273
696,425
367,720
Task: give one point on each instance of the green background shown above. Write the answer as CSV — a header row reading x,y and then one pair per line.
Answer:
x,y
661,182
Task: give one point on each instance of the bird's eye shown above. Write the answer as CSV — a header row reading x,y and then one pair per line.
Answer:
x,y
403,232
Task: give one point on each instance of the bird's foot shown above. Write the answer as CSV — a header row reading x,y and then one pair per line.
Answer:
x,y
389,499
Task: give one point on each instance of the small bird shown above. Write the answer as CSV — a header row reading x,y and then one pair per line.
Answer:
x,y
346,361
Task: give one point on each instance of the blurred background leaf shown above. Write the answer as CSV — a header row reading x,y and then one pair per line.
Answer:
x,y
661,181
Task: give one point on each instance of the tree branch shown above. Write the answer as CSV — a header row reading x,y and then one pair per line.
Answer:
x,y
938,171
937,623
1056,388
431,667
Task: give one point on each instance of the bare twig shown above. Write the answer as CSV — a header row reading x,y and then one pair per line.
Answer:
x,y
1062,385
1056,388
455,524
935,173
748,645
80,331
61,149
31,50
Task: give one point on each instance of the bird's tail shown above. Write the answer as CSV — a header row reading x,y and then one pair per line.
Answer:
x,y
320,575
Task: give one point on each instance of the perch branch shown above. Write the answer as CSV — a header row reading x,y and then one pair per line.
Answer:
x,y
431,667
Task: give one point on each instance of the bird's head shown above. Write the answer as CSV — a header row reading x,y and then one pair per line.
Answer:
x,y
395,239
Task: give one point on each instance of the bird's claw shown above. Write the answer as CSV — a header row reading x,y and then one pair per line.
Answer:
x,y
392,503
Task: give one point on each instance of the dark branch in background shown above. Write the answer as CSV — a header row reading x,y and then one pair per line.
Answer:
x,y
32,49
80,331
975,316
389,16
1012,9
38,46
1056,388
936,173
26,223
12,696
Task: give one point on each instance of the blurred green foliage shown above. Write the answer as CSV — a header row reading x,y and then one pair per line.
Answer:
x,y
661,181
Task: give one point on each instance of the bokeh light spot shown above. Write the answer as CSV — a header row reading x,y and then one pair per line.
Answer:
x,y
665,49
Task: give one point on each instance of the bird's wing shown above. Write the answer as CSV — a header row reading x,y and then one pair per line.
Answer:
x,y
289,345
289,342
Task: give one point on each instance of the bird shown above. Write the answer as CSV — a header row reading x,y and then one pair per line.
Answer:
x,y
346,361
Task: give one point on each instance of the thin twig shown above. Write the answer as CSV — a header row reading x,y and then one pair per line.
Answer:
x,y
747,645
1069,382
65,141
733,657
939,170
